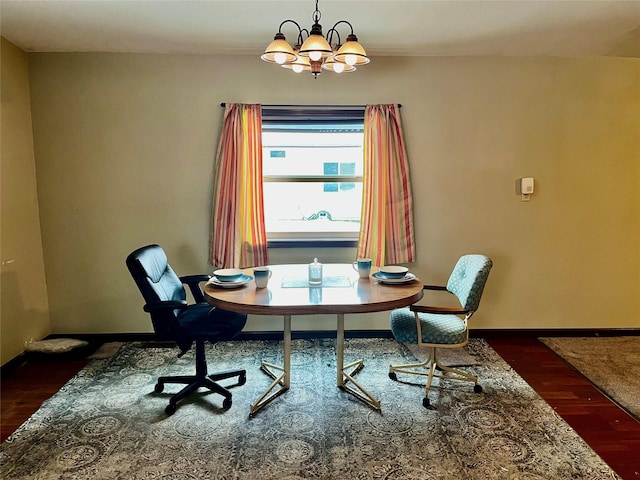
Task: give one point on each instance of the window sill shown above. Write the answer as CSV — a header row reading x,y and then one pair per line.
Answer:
x,y
311,243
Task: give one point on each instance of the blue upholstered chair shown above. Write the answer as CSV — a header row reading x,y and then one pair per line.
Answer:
x,y
442,327
174,319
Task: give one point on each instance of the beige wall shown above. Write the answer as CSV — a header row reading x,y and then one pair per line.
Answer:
x,y
124,147
24,313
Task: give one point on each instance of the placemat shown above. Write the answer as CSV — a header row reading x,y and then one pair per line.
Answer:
x,y
327,282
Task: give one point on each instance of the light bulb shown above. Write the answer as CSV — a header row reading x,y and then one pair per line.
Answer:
x,y
280,58
297,68
315,55
338,67
351,60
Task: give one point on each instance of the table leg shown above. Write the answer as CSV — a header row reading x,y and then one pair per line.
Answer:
x,y
282,379
340,349
346,372
286,340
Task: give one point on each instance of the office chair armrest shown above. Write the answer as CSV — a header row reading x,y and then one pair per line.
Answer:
x,y
193,281
168,304
438,310
434,287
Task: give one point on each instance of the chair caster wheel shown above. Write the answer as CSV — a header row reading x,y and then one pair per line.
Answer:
x,y
226,404
242,379
170,410
158,388
393,376
426,403
477,388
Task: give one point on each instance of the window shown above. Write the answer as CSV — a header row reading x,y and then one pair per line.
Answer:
x,y
312,173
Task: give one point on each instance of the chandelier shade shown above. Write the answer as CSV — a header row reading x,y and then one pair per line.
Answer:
x,y
316,52
300,63
352,53
279,51
332,65
315,46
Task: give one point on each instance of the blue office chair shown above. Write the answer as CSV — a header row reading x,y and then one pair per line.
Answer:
x,y
173,319
442,327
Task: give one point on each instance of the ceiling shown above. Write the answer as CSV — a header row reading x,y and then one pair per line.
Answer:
x,y
575,28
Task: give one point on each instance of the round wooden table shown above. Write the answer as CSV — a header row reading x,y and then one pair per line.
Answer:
x,y
289,293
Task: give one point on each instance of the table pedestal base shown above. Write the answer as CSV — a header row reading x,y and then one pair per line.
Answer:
x,y
345,373
278,380
283,380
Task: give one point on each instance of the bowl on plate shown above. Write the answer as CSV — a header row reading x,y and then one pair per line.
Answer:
x,y
228,274
393,271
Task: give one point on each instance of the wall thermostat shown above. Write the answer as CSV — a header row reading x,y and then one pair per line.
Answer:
x,y
524,187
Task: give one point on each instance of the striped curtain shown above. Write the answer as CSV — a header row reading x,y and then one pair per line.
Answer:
x,y
238,238
386,231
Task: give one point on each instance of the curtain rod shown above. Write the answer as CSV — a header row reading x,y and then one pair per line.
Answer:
x,y
223,104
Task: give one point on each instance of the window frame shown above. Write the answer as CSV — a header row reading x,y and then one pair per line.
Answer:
x,y
301,115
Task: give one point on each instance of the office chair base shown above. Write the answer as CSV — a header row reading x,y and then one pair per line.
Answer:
x,y
200,379
432,364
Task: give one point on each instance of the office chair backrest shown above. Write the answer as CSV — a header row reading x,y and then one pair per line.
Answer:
x,y
468,279
157,282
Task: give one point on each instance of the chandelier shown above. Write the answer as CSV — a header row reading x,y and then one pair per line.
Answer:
x,y
313,52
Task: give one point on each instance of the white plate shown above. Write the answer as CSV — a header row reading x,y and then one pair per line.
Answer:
x,y
243,280
409,277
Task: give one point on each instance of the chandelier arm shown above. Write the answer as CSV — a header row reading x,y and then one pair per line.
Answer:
x,y
330,37
290,21
301,37
343,21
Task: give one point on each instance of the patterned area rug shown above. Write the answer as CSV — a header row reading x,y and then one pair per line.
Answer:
x,y
107,423
610,363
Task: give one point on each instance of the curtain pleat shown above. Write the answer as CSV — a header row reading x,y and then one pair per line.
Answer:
x,y
386,232
238,238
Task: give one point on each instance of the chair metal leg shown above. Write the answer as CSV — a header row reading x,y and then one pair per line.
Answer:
x,y
428,369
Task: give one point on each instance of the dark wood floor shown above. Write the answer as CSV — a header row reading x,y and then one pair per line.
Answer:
x,y
24,389
609,430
